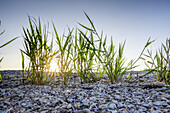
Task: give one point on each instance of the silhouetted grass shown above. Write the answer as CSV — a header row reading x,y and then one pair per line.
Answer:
x,y
78,52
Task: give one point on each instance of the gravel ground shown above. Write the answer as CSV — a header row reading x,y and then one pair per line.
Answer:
x,y
136,96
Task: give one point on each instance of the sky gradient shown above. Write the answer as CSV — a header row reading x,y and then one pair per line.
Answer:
x,y
131,20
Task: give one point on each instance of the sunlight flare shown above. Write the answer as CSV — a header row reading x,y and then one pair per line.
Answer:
x,y
54,67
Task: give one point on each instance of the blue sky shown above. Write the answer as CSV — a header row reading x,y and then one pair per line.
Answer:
x,y
131,20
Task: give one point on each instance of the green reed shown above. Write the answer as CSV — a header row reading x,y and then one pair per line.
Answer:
x,y
81,52
38,51
113,63
85,58
159,65
64,54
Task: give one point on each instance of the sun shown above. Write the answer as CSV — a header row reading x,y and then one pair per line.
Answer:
x,y
54,67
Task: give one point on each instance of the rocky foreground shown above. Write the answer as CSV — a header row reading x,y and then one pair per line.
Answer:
x,y
136,96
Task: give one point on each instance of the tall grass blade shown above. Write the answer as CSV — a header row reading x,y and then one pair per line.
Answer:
x,y
8,42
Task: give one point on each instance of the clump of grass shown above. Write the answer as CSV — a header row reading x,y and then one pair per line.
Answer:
x,y
1,46
83,53
85,58
64,54
159,64
38,51
113,63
